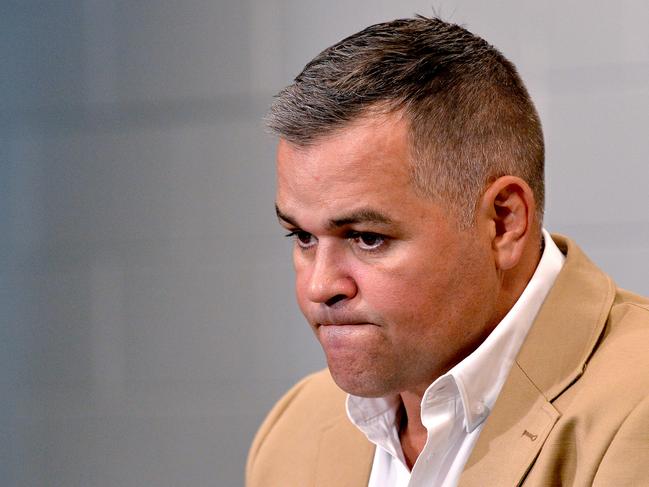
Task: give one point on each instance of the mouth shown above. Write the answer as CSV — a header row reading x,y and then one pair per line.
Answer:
x,y
341,336
345,329
344,324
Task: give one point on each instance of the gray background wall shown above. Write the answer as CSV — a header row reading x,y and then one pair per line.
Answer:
x,y
146,303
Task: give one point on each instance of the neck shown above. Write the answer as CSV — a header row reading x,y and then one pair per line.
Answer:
x,y
515,281
412,433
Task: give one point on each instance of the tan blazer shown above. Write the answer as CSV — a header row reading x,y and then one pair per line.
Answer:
x,y
574,410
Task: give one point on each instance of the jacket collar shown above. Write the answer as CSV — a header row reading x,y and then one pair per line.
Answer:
x,y
553,356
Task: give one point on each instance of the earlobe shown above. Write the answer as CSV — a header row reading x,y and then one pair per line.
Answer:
x,y
509,205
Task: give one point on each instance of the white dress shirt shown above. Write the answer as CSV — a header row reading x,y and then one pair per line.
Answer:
x,y
455,406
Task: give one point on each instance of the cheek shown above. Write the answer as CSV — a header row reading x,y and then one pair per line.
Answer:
x,y
302,280
397,295
415,296
300,287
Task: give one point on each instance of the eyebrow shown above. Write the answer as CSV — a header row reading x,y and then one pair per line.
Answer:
x,y
361,215
284,217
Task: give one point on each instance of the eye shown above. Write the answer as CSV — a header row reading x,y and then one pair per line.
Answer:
x,y
368,240
303,239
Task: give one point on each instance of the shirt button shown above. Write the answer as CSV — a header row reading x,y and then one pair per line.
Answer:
x,y
479,409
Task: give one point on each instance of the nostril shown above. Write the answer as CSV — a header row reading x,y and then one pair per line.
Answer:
x,y
335,299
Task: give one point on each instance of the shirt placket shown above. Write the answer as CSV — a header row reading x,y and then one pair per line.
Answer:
x,y
440,417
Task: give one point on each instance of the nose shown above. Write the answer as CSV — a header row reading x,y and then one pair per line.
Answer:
x,y
329,282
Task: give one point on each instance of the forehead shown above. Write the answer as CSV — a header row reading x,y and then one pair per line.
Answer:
x,y
363,168
365,155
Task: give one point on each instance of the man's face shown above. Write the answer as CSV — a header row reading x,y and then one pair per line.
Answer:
x,y
394,292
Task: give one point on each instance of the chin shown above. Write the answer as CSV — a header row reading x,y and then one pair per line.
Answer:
x,y
363,382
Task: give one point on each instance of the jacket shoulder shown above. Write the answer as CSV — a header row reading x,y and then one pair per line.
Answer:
x,y
623,347
626,300
315,390
286,447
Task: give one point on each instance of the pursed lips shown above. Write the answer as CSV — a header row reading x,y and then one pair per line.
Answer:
x,y
327,316
357,323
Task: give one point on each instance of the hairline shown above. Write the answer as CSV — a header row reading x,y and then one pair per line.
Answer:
x,y
391,107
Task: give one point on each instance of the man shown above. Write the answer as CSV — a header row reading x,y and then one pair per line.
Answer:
x,y
472,348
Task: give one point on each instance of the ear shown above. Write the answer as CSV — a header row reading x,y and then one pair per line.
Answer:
x,y
508,211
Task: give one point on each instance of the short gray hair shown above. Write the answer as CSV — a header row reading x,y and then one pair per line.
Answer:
x,y
471,118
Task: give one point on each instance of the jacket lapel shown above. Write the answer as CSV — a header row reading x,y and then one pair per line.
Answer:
x,y
553,356
513,435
